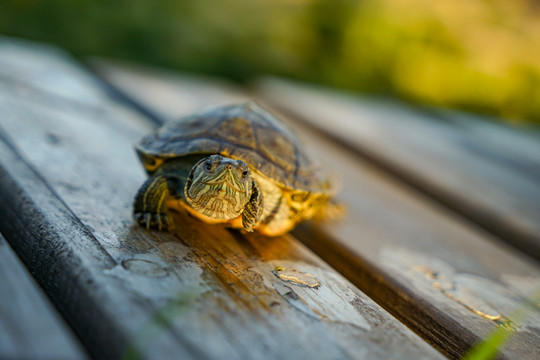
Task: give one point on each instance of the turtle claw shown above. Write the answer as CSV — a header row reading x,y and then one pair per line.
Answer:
x,y
156,221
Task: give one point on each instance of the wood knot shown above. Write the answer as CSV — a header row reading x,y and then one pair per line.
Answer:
x,y
144,267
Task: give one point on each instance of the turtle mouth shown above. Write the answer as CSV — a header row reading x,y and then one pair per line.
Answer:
x,y
219,182
229,180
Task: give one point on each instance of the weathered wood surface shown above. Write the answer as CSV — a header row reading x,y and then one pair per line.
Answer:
x,y
443,277
41,70
30,327
487,172
68,175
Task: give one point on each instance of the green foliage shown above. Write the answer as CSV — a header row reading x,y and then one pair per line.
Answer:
x,y
490,347
474,55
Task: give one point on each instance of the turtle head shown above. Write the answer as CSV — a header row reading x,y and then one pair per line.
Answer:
x,y
219,187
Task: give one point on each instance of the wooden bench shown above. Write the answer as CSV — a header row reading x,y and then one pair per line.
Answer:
x,y
405,275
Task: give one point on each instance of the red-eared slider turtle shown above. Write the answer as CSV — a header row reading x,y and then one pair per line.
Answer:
x,y
235,164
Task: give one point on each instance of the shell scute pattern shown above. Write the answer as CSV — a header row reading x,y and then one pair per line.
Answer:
x,y
235,129
246,132
277,149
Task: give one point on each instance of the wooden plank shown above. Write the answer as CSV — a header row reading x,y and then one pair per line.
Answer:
x,y
30,326
30,64
490,175
200,292
66,258
443,277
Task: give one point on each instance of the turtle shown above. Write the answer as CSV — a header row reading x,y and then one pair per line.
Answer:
x,y
235,164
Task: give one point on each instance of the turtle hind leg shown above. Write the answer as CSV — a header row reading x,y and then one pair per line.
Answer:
x,y
149,208
332,209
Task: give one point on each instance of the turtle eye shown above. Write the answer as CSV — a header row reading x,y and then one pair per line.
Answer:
x,y
244,173
208,165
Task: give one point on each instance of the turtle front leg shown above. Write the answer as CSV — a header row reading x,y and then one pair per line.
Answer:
x,y
253,209
149,209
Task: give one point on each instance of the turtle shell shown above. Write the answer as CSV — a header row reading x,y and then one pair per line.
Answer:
x,y
246,132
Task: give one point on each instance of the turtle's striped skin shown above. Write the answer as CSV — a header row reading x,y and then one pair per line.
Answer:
x,y
270,184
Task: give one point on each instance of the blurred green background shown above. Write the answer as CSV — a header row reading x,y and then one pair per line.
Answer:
x,y
476,55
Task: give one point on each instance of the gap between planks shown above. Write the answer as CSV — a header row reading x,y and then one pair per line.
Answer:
x,y
210,291
490,181
409,242
31,327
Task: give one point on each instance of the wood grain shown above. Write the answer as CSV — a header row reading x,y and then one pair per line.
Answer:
x,y
486,172
68,261
69,177
30,326
35,65
441,275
